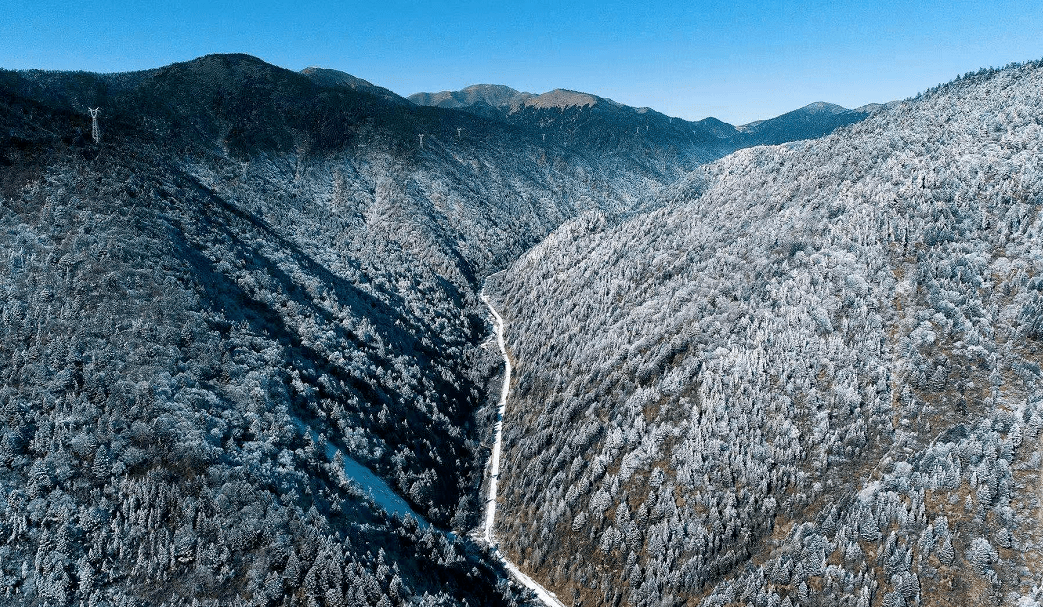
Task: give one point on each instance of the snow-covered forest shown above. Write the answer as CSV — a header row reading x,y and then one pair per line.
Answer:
x,y
808,374
210,314
244,361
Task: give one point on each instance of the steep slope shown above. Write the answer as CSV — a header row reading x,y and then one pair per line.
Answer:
x,y
811,376
153,391
249,276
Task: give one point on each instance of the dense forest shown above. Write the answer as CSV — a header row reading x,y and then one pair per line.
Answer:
x,y
244,361
807,374
216,313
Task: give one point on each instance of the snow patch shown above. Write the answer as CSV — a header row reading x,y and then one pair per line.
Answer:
x,y
378,490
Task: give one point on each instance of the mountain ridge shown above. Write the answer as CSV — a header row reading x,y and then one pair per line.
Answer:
x,y
582,121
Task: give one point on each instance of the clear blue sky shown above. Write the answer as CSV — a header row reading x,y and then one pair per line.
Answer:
x,y
738,61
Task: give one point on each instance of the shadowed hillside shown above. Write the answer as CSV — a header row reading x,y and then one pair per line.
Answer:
x,y
250,273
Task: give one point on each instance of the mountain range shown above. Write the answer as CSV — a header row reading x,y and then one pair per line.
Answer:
x,y
246,359
605,128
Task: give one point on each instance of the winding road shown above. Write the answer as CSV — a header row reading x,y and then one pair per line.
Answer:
x,y
547,597
387,499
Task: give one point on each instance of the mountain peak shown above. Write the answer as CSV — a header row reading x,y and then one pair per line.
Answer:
x,y
562,98
824,107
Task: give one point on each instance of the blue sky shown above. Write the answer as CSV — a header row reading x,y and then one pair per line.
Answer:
x,y
737,61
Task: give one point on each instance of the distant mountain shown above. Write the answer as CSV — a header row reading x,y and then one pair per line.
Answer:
x,y
489,95
602,126
869,108
809,122
599,128
504,98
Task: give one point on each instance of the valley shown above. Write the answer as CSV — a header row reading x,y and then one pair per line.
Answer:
x,y
288,338
494,471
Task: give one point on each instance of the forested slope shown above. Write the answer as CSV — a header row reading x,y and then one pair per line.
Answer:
x,y
250,273
810,374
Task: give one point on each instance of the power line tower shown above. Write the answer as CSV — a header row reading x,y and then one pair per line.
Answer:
x,y
95,134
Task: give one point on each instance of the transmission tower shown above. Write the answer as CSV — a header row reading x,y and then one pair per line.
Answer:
x,y
95,135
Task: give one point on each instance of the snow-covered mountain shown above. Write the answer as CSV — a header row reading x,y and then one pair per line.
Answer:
x,y
809,375
227,323
245,358
242,331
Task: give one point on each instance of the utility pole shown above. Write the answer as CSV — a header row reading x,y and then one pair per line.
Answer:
x,y
95,135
